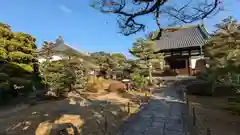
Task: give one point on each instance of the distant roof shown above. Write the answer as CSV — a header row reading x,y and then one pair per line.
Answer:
x,y
182,37
61,46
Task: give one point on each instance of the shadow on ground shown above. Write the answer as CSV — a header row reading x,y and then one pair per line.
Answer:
x,y
68,116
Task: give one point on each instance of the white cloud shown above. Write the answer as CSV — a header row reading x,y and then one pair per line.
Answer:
x,y
65,9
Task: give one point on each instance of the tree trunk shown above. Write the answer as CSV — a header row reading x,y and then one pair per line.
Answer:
x,y
150,72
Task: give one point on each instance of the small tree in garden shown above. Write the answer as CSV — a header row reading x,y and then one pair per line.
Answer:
x,y
103,61
145,50
108,62
139,81
63,76
119,59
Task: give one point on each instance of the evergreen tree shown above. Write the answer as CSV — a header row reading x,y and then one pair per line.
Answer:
x,y
104,61
65,75
223,50
17,50
119,60
145,50
224,47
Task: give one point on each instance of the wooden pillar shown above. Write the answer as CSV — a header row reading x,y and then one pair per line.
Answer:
x,y
188,65
189,59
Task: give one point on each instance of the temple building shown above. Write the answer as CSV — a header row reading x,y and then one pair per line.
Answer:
x,y
182,47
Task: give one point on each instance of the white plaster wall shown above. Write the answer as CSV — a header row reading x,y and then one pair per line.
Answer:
x,y
54,58
193,61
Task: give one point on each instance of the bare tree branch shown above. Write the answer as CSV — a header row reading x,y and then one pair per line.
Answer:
x,y
129,24
189,14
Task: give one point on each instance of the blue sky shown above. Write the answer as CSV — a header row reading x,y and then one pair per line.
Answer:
x,y
80,25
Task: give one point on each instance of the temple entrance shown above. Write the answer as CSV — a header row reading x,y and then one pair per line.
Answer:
x,y
178,64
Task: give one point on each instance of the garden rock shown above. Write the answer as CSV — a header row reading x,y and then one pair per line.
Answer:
x,y
117,87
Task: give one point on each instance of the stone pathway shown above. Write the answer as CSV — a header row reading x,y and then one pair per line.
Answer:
x,y
165,115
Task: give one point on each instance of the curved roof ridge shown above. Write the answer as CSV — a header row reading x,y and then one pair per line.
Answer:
x,y
183,37
182,27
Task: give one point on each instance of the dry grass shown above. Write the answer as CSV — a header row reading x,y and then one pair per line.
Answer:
x,y
78,115
98,84
210,114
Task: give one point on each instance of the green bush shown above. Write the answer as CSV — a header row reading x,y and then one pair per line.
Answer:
x,y
140,82
4,86
20,81
26,67
224,90
4,77
64,76
199,87
3,53
19,57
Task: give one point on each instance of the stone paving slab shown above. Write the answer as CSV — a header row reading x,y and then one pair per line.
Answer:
x,y
163,116
168,132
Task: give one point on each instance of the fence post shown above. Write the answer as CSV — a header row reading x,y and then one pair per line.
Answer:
x,y
194,116
208,131
146,100
188,105
105,125
128,108
184,96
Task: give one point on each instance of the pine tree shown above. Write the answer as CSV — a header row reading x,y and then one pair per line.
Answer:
x,y
65,75
224,47
17,56
223,50
145,51
104,61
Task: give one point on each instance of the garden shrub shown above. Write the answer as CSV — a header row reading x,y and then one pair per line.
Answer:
x,y
64,76
4,77
224,90
20,81
199,87
140,82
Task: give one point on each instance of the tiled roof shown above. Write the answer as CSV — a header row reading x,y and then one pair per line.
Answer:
x,y
60,46
182,37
